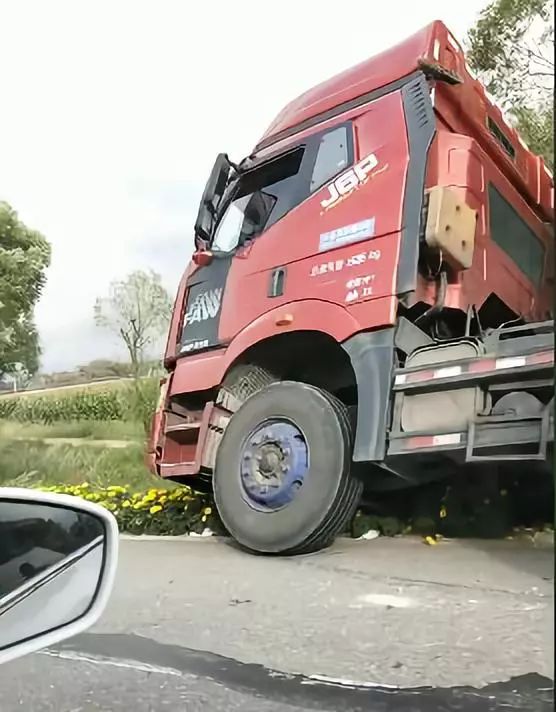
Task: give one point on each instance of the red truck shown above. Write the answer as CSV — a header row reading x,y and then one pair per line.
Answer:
x,y
369,303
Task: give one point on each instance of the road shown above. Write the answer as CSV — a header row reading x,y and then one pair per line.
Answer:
x,y
389,624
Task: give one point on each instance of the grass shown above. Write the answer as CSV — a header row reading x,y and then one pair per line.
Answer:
x,y
85,429
33,463
27,461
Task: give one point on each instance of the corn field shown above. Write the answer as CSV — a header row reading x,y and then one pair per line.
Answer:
x,y
134,401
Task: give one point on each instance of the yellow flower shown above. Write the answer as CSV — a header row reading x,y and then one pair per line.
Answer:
x,y
116,489
126,503
84,485
163,499
149,497
203,518
207,511
156,508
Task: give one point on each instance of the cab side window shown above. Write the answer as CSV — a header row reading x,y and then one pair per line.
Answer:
x,y
332,157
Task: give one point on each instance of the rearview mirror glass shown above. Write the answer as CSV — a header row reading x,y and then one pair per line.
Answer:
x,y
57,563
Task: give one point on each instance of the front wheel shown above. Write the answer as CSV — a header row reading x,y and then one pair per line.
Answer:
x,y
282,481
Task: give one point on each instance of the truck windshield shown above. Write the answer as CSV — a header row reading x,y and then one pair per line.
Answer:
x,y
263,196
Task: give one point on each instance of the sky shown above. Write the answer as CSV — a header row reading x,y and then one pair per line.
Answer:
x,y
113,113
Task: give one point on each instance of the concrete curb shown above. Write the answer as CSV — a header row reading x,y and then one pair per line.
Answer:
x,y
541,540
169,537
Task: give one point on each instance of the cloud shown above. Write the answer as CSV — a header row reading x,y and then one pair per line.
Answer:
x,y
113,113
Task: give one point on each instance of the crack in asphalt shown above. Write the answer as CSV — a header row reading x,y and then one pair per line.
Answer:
x,y
359,574
525,693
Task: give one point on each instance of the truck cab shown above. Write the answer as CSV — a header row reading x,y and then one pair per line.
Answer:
x,y
389,218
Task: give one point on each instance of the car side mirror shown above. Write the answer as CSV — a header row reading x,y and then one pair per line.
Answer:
x,y
58,558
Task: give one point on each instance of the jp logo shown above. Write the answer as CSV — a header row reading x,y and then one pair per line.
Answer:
x,y
349,180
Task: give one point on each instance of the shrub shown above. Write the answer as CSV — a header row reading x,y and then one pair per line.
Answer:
x,y
140,401
184,511
154,511
7,407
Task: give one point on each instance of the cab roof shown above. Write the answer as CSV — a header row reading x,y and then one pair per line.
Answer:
x,y
374,73
432,46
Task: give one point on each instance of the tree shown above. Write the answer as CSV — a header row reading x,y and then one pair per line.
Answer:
x,y
104,368
512,50
24,258
138,310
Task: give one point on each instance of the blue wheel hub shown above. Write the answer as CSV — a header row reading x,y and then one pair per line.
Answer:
x,y
274,462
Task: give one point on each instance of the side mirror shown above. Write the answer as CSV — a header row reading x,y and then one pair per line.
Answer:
x,y
58,558
212,195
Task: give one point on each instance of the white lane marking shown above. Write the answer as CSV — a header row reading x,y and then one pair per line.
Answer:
x,y
114,662
313,679
145,667
383,599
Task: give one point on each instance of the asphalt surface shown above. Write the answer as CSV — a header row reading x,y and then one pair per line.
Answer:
x,y
386,625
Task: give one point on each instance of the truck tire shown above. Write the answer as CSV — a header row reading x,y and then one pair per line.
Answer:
x,y
282,481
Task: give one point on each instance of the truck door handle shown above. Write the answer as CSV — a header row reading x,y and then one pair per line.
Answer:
x,y
277,279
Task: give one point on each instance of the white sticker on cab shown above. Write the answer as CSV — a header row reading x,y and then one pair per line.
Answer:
x,y
346,235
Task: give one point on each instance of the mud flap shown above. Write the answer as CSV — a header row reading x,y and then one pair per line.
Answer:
x,y
372,358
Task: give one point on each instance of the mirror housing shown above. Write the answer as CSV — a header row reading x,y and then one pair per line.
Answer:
x,y
202,258
212,197
58,559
